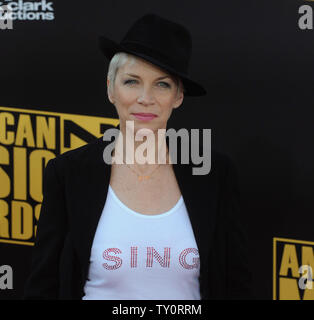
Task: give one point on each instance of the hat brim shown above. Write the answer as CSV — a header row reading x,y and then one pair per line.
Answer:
x,y
110,48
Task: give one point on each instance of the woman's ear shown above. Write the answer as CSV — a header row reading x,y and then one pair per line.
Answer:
x,y
179,99
109,93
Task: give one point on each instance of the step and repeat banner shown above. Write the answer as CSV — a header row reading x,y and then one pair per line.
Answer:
x,y
29,139
256,60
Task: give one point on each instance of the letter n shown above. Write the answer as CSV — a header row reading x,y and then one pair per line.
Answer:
x,y
151,253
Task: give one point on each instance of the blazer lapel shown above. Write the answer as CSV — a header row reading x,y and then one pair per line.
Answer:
x,y
200,197
89,194
90,187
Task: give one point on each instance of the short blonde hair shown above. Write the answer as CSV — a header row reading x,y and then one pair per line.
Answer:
x,y
119,59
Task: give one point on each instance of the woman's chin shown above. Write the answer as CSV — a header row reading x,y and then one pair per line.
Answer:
x,y
144,130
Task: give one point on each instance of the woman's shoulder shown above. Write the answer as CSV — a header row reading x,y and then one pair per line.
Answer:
x,y
80,151
221,161
225,170
81,155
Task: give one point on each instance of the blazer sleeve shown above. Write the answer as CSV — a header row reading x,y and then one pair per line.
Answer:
x,y
43,280
239,277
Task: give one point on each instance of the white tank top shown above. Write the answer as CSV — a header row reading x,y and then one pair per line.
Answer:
x,y
135,256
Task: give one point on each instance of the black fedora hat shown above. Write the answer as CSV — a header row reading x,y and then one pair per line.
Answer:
x,y
161,42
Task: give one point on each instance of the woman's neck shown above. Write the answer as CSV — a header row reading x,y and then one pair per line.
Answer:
x,y
142,150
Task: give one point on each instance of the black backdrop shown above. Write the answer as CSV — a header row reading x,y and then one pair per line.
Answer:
x,y
257,65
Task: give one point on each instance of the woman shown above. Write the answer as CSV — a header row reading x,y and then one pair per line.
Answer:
x,y
140,231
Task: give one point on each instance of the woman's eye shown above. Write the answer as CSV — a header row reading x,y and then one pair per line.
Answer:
x,y
164,84
130,81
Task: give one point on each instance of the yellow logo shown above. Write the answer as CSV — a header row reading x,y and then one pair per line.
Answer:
x,y
28,140
293,264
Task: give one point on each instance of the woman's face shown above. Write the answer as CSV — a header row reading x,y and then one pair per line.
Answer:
x,y
141,87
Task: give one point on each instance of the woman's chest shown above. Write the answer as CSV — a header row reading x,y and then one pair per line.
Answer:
x,y
156,195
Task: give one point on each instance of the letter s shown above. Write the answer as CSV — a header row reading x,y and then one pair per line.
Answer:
x,y
112,258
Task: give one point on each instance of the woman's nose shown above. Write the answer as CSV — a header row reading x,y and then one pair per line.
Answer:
x,y
146,97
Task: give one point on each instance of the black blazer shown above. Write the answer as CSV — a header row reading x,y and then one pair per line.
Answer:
x,y
74,188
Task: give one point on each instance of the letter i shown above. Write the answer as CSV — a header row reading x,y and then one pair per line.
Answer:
x,y
133,257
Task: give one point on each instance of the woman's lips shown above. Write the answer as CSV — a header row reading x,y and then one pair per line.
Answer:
x,y
144,116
